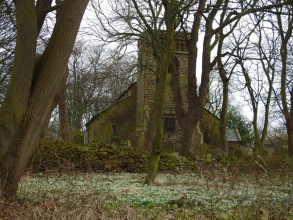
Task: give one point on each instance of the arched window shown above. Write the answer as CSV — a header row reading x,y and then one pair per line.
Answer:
x,y
182,47
206,137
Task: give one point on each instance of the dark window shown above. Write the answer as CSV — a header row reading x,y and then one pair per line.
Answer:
x,y
206,137
115,132
169,124
182,47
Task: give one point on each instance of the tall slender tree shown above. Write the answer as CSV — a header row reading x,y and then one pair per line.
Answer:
x,y
284,26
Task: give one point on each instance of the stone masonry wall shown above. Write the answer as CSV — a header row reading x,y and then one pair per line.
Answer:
x,y
211,124
146,91
56,155
146,82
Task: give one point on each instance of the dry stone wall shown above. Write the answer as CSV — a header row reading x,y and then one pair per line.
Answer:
x,y
56,155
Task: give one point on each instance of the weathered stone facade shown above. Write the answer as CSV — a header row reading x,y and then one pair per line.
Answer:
x,y
130,115
121,117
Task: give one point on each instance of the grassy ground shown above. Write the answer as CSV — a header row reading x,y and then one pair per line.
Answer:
x,y
251,190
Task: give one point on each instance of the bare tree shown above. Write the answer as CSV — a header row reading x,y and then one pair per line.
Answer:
x,y
97,77
212,17
258,60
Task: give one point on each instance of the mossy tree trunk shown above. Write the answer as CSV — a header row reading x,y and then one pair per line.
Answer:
x,y
155,125
33,86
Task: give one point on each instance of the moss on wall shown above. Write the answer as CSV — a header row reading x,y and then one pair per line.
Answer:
x,y
211,124
56,155
120,116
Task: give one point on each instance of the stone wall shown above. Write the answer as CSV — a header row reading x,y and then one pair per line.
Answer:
x,y
210,124
56,155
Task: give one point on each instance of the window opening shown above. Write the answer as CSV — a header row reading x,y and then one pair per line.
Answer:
x,y
206,137
169,124
115,131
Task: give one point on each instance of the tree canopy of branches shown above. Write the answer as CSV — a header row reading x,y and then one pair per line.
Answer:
x,y
97,76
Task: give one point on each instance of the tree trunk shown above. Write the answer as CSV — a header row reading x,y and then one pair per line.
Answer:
x,y
254,103
190,135
223,119
290,141
287,110
289,125
156,117
155,127
63,114
197,99
32,88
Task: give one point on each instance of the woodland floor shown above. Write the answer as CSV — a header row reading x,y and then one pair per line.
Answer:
x,y
254,189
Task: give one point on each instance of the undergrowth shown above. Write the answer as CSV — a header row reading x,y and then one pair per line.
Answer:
x,y
250,188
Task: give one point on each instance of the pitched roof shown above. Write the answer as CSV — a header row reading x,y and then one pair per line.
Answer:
x,y
233,135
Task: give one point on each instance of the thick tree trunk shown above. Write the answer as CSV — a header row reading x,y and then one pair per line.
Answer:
x,y
31,91
153,167
225,80
189,133
287,109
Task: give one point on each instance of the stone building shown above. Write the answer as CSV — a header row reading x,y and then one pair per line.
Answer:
x,y
127,119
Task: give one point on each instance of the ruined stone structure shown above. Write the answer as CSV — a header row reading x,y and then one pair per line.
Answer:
x,y
128,117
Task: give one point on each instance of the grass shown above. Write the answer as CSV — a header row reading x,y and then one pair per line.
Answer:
x,y
217,191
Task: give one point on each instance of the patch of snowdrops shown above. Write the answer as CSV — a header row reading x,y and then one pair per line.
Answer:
x,y
201,191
